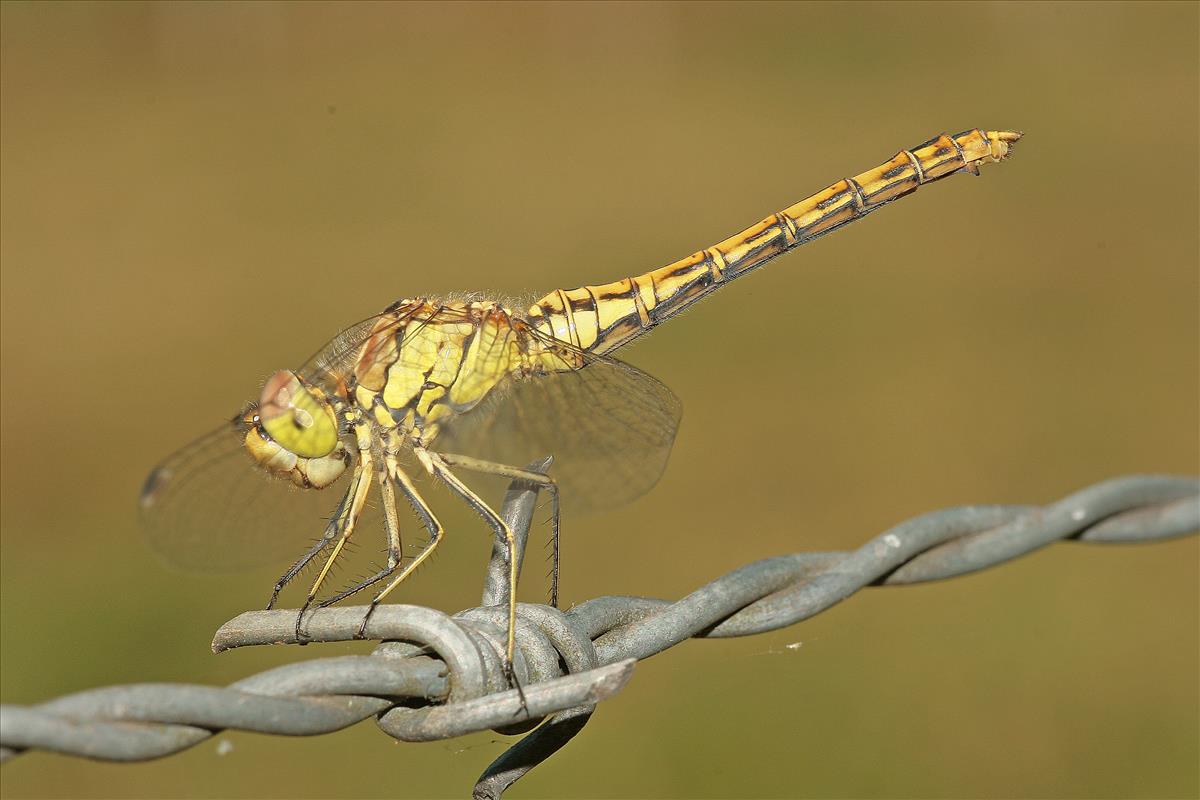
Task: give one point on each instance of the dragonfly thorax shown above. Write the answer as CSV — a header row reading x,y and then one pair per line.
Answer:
x,y
425,362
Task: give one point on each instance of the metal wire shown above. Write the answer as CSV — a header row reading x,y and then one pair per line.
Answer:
x,y
434,676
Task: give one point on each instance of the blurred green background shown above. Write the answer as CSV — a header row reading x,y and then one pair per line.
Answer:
x,y
197,195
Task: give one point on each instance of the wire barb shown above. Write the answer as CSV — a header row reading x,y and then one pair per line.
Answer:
x,y
435,676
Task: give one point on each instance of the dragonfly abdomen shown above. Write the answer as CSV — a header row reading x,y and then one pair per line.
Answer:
x,y
603,317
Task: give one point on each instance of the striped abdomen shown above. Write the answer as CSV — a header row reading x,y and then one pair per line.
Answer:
x,y
602,318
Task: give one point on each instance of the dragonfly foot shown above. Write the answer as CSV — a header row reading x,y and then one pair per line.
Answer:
x,y
510,676
302,638
361,633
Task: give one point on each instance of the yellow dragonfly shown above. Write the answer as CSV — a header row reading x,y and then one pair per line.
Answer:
x,y
471,385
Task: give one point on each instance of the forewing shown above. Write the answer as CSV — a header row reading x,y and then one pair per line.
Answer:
x,y
609,426
210,508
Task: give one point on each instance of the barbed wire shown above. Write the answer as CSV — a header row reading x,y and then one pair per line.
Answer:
x,y
435,676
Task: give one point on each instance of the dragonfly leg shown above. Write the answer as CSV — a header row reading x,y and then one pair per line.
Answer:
x,y
391,523
538,479
431,523
438,467
357,494
330,531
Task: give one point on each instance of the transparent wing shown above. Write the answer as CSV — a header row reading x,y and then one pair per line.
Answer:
x,y
208,507
609,426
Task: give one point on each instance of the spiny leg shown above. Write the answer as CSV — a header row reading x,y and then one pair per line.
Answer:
x,y
439,469
431,523
331,529
391,523
538,479
359,487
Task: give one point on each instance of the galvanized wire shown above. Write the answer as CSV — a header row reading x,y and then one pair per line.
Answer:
x,y
435,676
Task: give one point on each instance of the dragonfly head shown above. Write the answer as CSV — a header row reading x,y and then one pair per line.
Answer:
x,y
292,432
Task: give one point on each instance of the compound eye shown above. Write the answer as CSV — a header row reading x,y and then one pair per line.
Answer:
x,y
297,418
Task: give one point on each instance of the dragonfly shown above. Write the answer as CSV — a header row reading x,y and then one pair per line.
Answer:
x,y
474,386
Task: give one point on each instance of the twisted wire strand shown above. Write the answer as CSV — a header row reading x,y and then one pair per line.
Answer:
x,y
435,676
